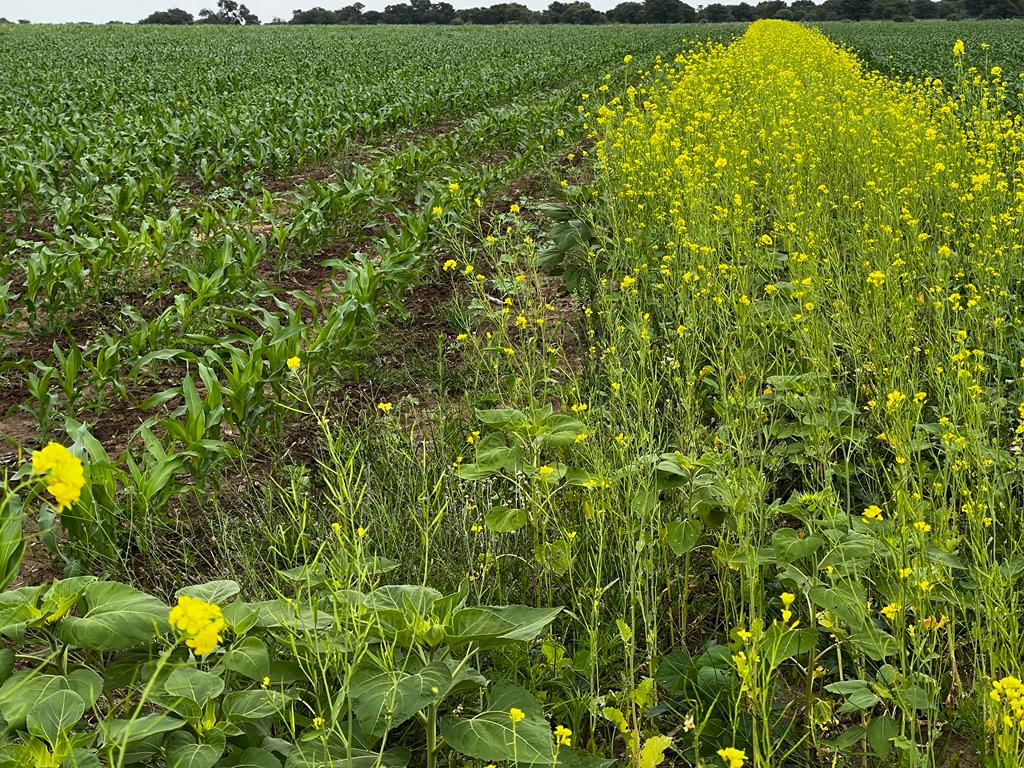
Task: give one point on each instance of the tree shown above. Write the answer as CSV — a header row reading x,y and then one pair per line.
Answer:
x,y
571,13
801,8
668,12
768,8
170,16
228,12
743,12
924,9
716,13
350,14
627,13
854,9
502,13
399,14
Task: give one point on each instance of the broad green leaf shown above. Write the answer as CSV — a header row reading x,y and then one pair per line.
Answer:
x,y
384,700
271,614
401,597
193,684
212,591
248,658
21,691
789,547
87,684
127,731
652,754
493,454
116,617
252,705
505,520
491,736
333,754
781,642
874,642
54,714
82,758
6,663
683,535
503,418
555,556
477,624
184,752
60,597
858,694
253,757
880,733
560,430
528,622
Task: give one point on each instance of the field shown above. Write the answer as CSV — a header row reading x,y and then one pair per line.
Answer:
x,y
536,396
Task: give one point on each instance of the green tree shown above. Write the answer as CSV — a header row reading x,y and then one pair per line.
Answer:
x,y
669,12
716,13
627,13
170,16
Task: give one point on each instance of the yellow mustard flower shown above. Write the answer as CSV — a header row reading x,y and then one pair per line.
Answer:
x,y
62,471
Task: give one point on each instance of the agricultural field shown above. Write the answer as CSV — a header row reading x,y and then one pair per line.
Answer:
x,y
527,396
921,49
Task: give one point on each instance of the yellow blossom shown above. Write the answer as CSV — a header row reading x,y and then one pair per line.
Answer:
x,y
200,621
732,757
62,472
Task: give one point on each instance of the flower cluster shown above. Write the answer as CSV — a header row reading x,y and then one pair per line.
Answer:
x,y
201,622
62,471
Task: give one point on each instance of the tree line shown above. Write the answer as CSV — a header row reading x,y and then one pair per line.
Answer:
x,y
628,12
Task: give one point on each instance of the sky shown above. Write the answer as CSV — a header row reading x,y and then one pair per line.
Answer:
x,y
99,11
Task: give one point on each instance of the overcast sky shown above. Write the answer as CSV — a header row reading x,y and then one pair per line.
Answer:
x,y
99,11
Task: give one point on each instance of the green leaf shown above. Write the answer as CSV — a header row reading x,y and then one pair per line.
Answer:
x,y
491,736
875,643
212,591
475,624
184,752
54,714
117,732
193,684
402,597
117,617
384,700
781,642
789,547
503,418
555,556
82,758
21,691
528,622
880,733
683,535
6,663
252,705
858,694
652,754
253,757
334,754
561,430
248,658
87,684
505,520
